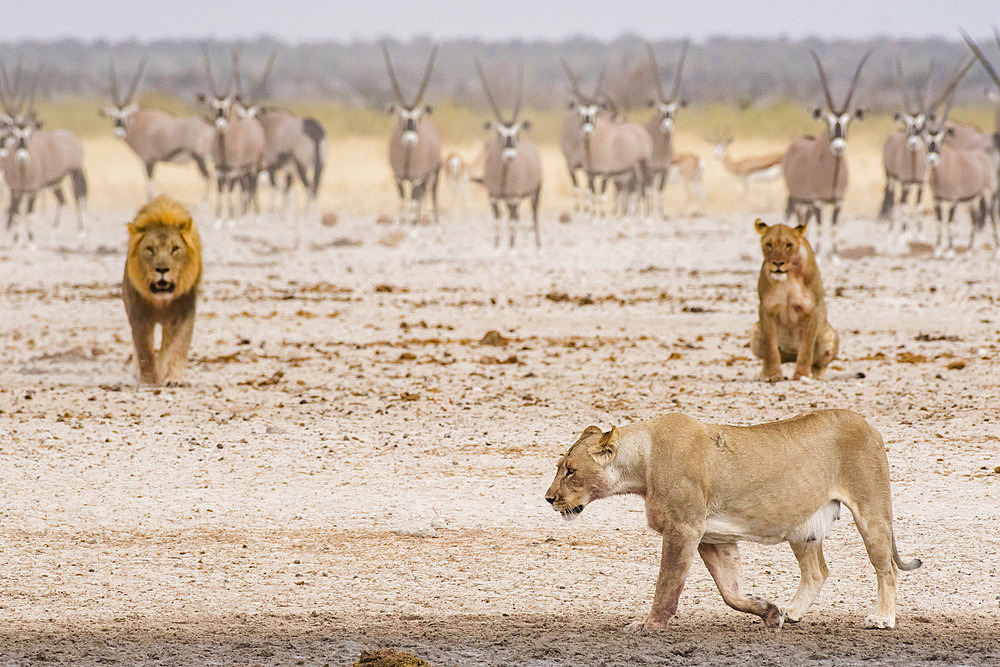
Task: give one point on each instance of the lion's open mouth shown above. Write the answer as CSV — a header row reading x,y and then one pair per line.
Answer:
x,y
571,513
161,287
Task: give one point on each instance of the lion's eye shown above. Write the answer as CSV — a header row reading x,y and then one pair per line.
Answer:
x,y
788,247
176,249
768,245
149,251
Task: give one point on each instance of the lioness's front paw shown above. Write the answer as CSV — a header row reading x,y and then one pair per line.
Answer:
x,y
772,376
790,615
873,622
646,627
803,377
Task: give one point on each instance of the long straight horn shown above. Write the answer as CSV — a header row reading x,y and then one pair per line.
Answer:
x,y
214,89
392,77
235,77
427,77
922,91
677,74
572,78
902,86
486,89
258,92
4,88
135,81
600,80
113,76
950,88
520,90
29,107
854,82
654,71
982,57
822,80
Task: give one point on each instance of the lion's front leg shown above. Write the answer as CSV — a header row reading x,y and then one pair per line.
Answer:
x,y
177,336
680,543
144,340
806,348
764,344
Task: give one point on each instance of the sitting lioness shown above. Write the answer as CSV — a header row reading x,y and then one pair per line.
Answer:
x,y
792,322
708,487
162,273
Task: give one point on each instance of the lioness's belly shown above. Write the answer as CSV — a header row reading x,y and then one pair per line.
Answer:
x,y
721,528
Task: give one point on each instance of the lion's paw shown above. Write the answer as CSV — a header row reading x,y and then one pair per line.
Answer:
x,y
790,615
874,622
646,627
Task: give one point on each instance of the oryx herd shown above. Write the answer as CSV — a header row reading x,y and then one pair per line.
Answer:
x,y
237,143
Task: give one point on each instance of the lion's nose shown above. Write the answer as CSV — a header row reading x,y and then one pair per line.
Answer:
x,y
162,269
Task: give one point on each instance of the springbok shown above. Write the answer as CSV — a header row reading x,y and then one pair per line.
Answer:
x,y
904,156
689,169
814,167
750,168
512,170
292,145
960,174
414,147
661,125
38,159
238,145
155,135
457,176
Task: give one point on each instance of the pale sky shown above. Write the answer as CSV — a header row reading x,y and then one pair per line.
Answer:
x,y
314,20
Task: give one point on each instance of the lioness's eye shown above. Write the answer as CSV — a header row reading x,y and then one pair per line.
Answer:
x,y
768,245
569,471
788,246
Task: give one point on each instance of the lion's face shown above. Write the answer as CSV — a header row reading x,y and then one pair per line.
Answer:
x,y
782,247
160,263
580,474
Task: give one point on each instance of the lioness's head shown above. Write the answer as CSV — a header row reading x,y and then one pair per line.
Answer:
x,y
784,248
580,475
164,251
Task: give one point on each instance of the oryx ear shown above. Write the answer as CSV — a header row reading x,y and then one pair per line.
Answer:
x,y
860,113
428,109
390,109
200,97
817,113
950,131
760,226
651,103
682,103
526,125
603,451
571,104
104,112
897,116
487,125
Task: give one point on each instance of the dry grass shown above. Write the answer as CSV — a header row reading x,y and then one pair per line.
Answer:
x,y
357,178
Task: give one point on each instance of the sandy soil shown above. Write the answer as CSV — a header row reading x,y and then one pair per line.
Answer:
x,y
351,469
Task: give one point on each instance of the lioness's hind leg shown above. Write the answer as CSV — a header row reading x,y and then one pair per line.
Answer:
x,y
827,346
875,525
723,563
813,572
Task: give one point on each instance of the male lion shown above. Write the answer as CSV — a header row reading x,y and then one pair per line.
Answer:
x,y
708,486
162,272
792,312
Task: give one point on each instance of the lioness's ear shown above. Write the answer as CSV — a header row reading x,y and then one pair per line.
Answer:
x,y
590,430
801,229
603,451
760,226
132,229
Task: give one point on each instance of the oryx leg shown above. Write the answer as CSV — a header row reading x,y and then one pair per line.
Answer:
x,y
812,573
60,202
512,220
834,218
495,205
534,216
723,563
79,184
577,193
149,180
203,170
434,193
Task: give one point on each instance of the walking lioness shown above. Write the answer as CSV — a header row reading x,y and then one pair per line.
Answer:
x,y
792,324
708,487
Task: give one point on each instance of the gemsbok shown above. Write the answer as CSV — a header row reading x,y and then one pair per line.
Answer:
x,y
581,111
238,145
960,173
293,146
992,95
632,186
749,168
38,159
661,125
814,167
157,136
414,147
512,170
904,156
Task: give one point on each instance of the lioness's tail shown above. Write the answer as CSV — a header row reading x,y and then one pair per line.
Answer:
x,y
908,565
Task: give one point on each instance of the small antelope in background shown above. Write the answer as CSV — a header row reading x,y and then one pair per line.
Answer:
x,y
457,177
814,167
750,168
661,125
904,155
960,174
238,146
37,160
157,136
512,171
414,147
689,169
292,145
